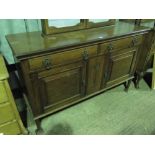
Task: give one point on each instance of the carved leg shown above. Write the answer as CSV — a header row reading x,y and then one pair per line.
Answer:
x,y
137,79
39,129
127,85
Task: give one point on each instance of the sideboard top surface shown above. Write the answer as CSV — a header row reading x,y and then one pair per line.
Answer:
x,y
28,44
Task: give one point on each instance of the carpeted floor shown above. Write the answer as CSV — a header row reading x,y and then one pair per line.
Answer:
x,y
114,112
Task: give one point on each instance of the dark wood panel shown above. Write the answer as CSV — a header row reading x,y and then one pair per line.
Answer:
x,y
55,87
120,66
95,73
145,51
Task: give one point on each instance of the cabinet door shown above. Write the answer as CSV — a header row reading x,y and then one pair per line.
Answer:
x,y
95,72
120,66
59,86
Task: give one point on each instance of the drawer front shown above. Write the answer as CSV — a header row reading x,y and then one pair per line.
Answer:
x,y
6,113
61,58
10,128
3,94
121,44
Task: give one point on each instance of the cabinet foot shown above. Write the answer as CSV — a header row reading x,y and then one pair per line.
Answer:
x,y
137,85
138,77
127,85
39,130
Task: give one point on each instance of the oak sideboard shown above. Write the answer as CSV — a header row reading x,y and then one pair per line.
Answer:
x,y
60,70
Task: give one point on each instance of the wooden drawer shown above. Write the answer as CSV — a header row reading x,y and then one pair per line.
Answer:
x,y
10,128
6,113
61,58
121,44
3,94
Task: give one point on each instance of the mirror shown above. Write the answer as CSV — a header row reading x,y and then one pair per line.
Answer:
x,y
60,23
98,20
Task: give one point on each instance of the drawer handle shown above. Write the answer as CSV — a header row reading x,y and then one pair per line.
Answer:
x,y
134,42
47,64
110,47
85,55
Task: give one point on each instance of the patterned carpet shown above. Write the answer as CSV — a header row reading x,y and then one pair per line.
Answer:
x,y
114,112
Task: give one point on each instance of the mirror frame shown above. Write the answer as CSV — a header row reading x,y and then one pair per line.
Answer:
x,y
93,25
137,21
53,30
84,24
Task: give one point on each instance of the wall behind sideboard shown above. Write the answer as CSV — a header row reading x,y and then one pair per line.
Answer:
x,y
12,26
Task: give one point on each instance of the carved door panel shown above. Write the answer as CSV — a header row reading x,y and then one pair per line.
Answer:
x,y
120,66
59,86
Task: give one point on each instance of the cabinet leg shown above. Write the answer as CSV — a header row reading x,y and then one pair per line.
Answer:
x,y
127,85
137,79
39,129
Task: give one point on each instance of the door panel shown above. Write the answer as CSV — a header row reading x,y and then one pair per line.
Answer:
x,y
120,66
60,86
95,72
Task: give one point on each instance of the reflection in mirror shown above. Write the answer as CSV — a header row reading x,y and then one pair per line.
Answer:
x,y
98,20
59,23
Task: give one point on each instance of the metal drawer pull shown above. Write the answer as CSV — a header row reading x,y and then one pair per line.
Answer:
x,y
85,55
110,47
47,64
134,41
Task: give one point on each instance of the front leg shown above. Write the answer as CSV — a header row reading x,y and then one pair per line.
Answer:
x,y
127,85
138,77
39,130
